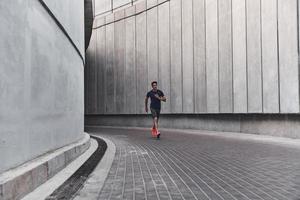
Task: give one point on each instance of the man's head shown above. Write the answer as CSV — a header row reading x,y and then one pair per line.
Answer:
x,y
154,85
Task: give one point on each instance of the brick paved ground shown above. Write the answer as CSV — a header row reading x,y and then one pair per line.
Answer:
x,y
186,166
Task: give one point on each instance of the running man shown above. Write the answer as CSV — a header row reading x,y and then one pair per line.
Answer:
x,y
156,97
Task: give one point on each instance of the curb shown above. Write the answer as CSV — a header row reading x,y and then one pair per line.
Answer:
x,y
17,182
97,178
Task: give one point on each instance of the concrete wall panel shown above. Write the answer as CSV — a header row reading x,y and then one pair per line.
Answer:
x,y
212,60
239,62
209,56
270,57
102,6
225,57
187,57
100,65
199,56
141,58
118,3
254,56
41,83
130,67
176,61
109,69
119,61
288,56
152,43
73,25
91,98
164,53
87,73
278,125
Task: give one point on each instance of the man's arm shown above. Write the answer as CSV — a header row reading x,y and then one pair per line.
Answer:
x,y
163,98
146,104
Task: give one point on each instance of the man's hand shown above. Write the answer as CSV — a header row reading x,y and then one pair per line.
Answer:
x,y
158,97
146,109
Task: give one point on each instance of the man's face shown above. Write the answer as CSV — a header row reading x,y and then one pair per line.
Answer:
x,y
154,86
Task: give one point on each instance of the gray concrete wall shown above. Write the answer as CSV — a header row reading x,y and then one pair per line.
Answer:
x,y
41,78
279,125
208,56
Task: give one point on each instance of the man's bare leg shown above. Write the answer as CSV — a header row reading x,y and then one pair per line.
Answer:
x,y
155,123
156,126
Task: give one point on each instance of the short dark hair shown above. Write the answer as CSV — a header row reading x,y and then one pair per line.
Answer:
x,y
153,83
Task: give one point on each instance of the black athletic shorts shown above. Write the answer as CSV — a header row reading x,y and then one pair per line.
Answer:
x,y
155,112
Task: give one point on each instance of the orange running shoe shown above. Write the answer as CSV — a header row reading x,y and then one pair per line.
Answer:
x,y
157,134
153,132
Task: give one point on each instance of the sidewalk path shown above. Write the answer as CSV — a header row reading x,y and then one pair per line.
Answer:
x,y
196,166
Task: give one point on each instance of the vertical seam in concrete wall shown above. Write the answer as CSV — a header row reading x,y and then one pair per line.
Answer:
x,y
278,58
194,88
114,68
170,63
205,54
232,73
135,65
261,59
126,107
298,49
104,70
105,56
181,48
157,34
218,32
246,26
96,73
147,45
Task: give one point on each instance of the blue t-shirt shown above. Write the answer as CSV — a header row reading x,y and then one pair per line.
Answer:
x,y
155,103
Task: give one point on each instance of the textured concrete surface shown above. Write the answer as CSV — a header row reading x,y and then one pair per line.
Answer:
x,y
254,56
188,85
239,56
199,56
41,80
152,42
269,61
209,56
130,62
288,59
71,15
164,59
141,57
175,73
17,182
212,56
203,165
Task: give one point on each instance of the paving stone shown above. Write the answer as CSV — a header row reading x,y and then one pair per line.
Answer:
x,y
187,166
